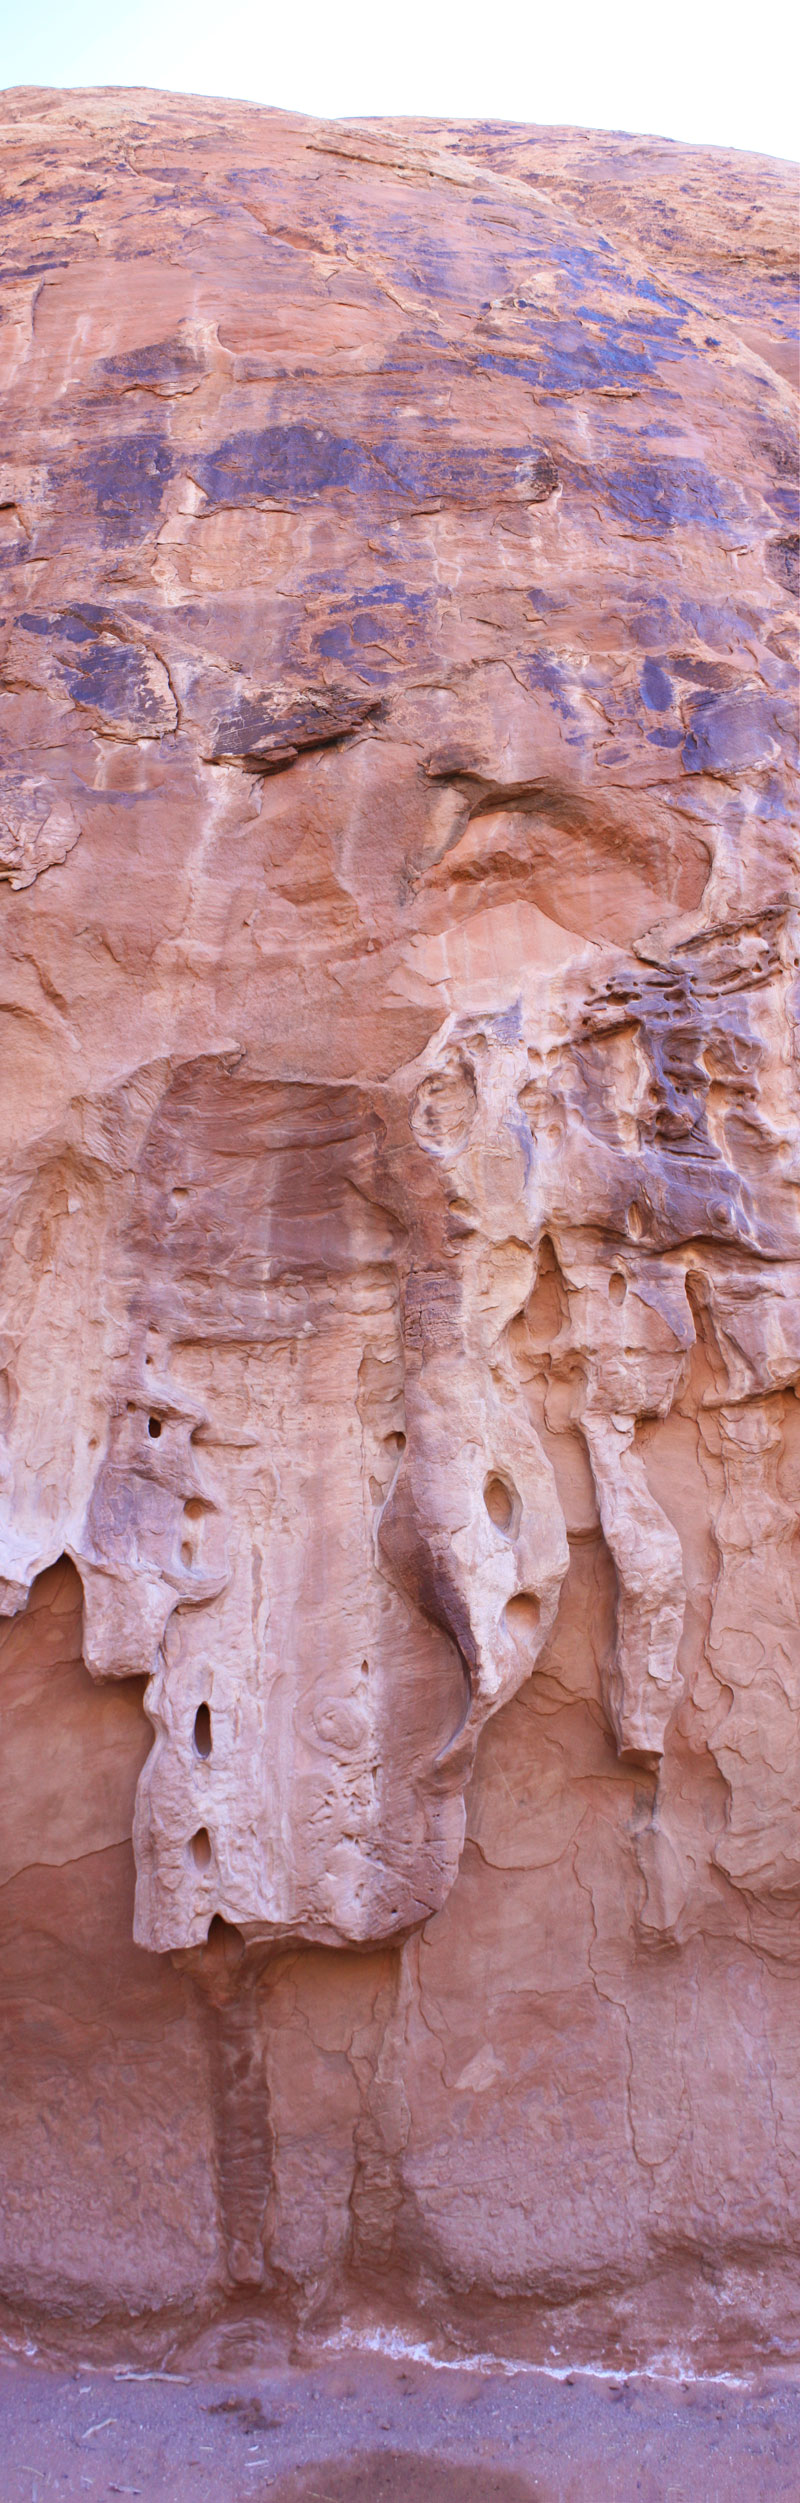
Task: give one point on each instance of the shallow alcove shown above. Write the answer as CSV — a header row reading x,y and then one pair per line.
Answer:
x,y
500,1504
522,1614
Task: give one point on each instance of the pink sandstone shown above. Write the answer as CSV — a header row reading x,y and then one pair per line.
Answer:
x,y
400,1454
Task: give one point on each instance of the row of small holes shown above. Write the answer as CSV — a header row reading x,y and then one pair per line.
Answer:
x,y
200,1845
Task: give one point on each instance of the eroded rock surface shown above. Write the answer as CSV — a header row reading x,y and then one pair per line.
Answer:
x,y
401,1310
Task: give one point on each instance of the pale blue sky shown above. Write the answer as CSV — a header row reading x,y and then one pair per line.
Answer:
x,y
720,71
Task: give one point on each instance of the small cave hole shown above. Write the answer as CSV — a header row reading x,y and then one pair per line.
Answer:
x,y
154,1428
547,1308
194,1510
499,1503
202,1731
225,1940
200,1848
617,1287
522,1614
187,1552
635,1222
640,1760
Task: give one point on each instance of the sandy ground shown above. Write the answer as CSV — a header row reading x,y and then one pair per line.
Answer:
x,y
361,2428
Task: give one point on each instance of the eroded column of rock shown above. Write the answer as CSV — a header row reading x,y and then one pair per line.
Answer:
x,y
400,1339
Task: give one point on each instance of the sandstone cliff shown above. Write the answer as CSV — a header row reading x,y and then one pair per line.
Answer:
x,y
401,1306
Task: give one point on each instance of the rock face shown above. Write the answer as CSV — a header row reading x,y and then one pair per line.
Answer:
x,y
401,1304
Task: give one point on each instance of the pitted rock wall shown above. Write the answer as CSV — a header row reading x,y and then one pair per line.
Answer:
x,y
400,1338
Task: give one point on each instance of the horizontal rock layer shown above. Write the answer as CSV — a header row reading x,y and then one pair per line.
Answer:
x,y
401,1324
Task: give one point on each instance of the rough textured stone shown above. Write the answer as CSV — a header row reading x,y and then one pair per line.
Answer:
x,y
400,1318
